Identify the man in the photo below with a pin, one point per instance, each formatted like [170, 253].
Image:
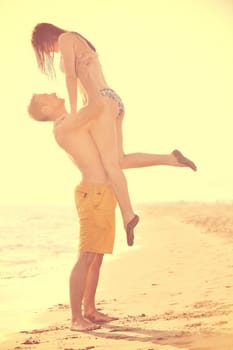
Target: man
[94, 198]
[95, 202]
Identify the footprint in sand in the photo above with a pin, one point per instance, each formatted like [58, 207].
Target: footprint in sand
[31, 341]
[59, 307]
[44, 330]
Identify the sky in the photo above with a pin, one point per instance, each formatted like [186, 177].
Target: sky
[171, 61]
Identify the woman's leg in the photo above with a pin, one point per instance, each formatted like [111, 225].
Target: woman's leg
[141, 160]
[104, 133]
[101, 121]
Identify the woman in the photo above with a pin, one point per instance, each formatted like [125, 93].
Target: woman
[80, 63]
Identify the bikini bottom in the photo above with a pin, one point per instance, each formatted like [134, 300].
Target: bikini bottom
[112, 94]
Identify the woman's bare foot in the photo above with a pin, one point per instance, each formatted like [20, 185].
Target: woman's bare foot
[99, 317]
[183, 161]
[130, 230]
[83, 325]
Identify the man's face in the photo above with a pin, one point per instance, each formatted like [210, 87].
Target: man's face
[50, 100]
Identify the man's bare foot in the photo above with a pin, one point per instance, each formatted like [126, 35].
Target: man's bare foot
[99, 317]
[83, 325]
[130, 229]
[183, 161]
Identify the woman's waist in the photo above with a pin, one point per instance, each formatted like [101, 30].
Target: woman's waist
[93, 91]
[93, 85]
[92, 81]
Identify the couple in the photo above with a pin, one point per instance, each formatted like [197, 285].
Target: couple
[93, 138]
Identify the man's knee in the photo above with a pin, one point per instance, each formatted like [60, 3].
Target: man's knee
[86, 257]
[97, 261]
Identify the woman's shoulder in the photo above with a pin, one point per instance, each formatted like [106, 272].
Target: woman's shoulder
[66, 36]
[65, 40]
[81, 46]
[71, 38]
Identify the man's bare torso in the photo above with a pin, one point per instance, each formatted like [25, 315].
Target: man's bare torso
[79, 145]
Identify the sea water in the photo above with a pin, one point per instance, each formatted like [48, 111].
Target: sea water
[38, 247]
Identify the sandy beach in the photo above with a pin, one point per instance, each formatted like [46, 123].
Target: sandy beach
[172, 290]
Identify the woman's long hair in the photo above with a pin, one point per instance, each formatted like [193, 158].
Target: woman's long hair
[43, 39]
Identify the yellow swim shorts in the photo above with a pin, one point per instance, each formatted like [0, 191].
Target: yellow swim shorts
[96, 205]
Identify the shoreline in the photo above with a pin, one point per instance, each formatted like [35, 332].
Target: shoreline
[173, 290]
[20, 299]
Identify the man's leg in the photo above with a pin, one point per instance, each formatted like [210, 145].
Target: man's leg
[78, 280]
[90, 311]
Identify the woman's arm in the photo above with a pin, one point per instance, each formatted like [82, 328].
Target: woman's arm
[66, 46]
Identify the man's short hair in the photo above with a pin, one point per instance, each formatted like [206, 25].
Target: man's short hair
[35, 110]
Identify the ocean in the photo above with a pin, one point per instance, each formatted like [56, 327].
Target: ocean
[38, 248]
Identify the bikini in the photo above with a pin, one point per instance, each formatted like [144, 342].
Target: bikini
[113, 95]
